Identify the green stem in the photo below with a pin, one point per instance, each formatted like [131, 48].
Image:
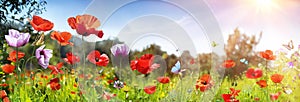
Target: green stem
[83, 51]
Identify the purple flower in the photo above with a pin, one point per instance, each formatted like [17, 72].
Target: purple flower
[43, 56]
[17, 39]
[118, 84]
[291, 64]
[120, 49]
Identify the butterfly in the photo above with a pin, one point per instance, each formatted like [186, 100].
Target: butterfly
[287, 90]
[214, 44]
[39, 40]
[243, 60]
[289, 46]
[176, 68]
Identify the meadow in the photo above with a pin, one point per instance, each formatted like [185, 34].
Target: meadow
[36, 72]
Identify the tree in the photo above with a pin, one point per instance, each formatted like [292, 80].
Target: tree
[240, 46]
[13, 13]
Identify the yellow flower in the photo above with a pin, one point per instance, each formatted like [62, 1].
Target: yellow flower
[126, 88]
[162, 95]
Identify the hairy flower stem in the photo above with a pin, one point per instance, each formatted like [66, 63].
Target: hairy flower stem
[83, 51]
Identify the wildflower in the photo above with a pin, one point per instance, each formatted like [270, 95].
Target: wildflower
[13, 56]
[120, 50]
[254, 73]
[17, 39]
[256, 99]
[204, 83]
[8, 68]
[41, 24]
[54, 84]
[268, 55]
[118, 84]
[56, 69]
[163, 80]
[96, 58]
[5, 99]
[73, 92]
[144, 64]
[274, 96]
[234, 92]
[62, 37]
[262, 83]
[4, 85]
[228, 64]
[71, 59]
[43, 56]
[229, 98]
[85, 25]
[3, 93]
[150, 89]
[277, 78]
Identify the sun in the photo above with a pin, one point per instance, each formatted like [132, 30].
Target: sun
[264, 2]
[263, 5]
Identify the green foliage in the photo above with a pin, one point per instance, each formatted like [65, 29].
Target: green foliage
[13, 13]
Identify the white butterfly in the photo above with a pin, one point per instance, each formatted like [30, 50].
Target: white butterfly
[289, 46]
[244, 61]
[176, 69]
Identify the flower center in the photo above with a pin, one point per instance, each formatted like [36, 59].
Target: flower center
[97, 59]
[42, 53]
[204, 83]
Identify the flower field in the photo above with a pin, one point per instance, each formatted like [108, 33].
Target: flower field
[47, 65]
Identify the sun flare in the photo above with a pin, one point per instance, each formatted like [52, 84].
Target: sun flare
[265, 5]
[264, 2]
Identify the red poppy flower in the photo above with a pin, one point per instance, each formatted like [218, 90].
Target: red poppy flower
[13, 56]
[234, 92]
[262, 83]
[277, 78]
[85, 25]
[229, 98]
[8, 68]
[5, 99]
[56, 69]
[150, 89]
[3, 93]
[228, 64]
[268, 55]
[4, 85]
[204, 83]
[62, 37]
[71, 59]
[256, 99]
[133, 64]
[44, 76]
[41, 24]
[54, 84]
[98, 59]
[110, 81]
[73, 92]
[163, 80]
[144, 64]
[275, 96]
[254, 73]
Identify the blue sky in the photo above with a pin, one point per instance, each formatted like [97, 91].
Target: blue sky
[58, 11]
[277, 19]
